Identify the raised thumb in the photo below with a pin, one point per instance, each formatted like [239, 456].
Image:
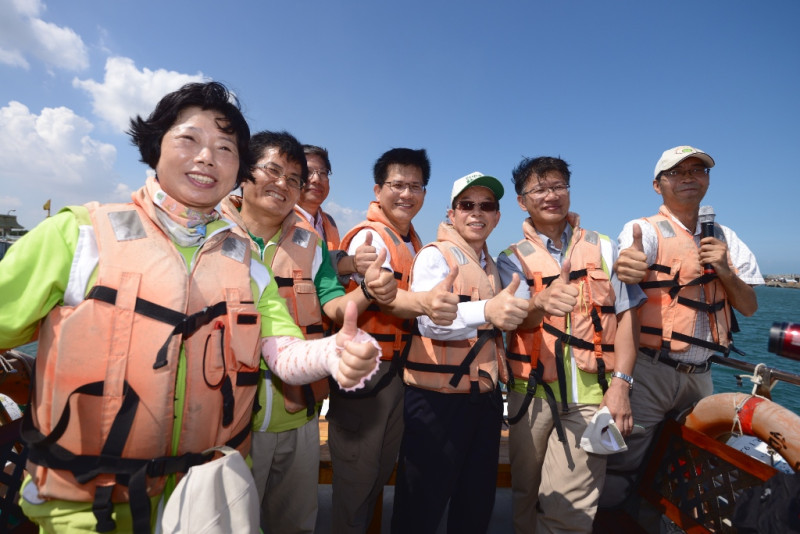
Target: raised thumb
[514, 285]
[565, 268]
[350, 325]
[378, 263]
[637, 238]
[368, 240]
[449, 280]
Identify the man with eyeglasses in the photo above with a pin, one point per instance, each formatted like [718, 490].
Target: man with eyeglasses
[285, 445]
[688, 315]
[453, 409]
[571, 358]
[365, 429]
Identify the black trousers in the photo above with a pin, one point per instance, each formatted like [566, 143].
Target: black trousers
[448, 456]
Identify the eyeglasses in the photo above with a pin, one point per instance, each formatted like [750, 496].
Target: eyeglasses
[322, 173]
[469, 205]
[697, 172]
[276, 173]
[399, 187]
[541, 192]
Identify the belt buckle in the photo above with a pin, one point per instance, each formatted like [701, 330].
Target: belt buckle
[683, 367]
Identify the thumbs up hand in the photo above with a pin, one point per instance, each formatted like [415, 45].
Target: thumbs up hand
[440, 304]
[364, 256]
[631, 265]
[379, 281]
[560, 297]
[504, 310]
[357, 359]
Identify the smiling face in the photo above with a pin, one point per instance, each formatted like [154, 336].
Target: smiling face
[475, 225]
[267, 198]
[401, 207]
[317, 188]
[544, 206]
[199, 162]
[683, 191]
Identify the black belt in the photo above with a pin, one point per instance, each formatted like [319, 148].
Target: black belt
[681, 367]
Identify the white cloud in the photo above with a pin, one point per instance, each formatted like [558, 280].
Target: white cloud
[23, 34]
[126, 91]
[345, 217]
[52, 155]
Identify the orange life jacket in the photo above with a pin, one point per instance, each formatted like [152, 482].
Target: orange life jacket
[589, 328]
[672, 285]
[329, 227]
[392, 333]
[291, 266]
[106, 368]
[470, 365]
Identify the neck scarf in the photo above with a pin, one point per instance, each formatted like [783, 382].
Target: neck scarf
[186, 226]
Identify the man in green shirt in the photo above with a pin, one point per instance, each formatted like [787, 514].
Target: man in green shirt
[285, 448]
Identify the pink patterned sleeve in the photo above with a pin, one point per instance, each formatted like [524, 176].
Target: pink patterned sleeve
[298, 361]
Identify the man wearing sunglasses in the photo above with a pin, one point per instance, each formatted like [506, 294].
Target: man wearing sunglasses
[285, 446]
[580, 328]
[693, 281]
[365, 429]
[453, 409]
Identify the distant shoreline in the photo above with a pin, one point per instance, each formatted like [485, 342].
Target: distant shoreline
[771, 282]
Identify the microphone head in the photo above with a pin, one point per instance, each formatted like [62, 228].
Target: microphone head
[705, 215]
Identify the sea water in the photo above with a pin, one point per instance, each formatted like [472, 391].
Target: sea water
[775, 305]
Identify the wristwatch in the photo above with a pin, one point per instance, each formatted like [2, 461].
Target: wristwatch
[623, 376]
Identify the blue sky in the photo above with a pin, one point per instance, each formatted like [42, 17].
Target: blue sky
[606, 85]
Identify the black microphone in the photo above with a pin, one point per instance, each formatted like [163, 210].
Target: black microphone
[706, 218]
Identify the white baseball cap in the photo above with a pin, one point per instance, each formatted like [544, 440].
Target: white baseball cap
[477, 178]
[673, 156]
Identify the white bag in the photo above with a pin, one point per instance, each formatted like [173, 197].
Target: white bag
[217, 497]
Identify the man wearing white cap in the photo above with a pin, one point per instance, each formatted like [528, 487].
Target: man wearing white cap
[572, 358]
[694, 272]
[453, 408]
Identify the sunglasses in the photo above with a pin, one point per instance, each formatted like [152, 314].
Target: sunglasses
[469, 205]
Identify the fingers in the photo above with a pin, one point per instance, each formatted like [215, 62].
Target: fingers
[637, 238]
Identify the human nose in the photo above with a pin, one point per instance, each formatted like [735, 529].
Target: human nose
[206, 156]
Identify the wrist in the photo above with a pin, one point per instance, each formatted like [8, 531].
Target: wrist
[367, 294]
[622, 377]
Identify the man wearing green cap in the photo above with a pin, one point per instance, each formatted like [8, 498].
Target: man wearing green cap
[452, 406]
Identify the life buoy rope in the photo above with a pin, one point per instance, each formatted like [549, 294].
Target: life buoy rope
[16, 370]
[770, 422]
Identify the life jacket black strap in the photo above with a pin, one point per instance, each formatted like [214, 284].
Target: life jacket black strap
[188, 326]
[702, 306]
[561, 373]
[534, 379]
[665, 345]
[574, 341]
[517, 357]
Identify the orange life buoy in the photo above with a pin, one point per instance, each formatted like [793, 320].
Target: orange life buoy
[768, 421]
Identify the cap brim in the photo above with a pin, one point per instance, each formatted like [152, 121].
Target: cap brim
[489, 182]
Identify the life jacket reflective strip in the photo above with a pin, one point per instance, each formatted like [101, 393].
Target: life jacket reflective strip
[292, 267]
[144, 302]
[589, 329]
[471, 365]
[672, 286]
[392, 333]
